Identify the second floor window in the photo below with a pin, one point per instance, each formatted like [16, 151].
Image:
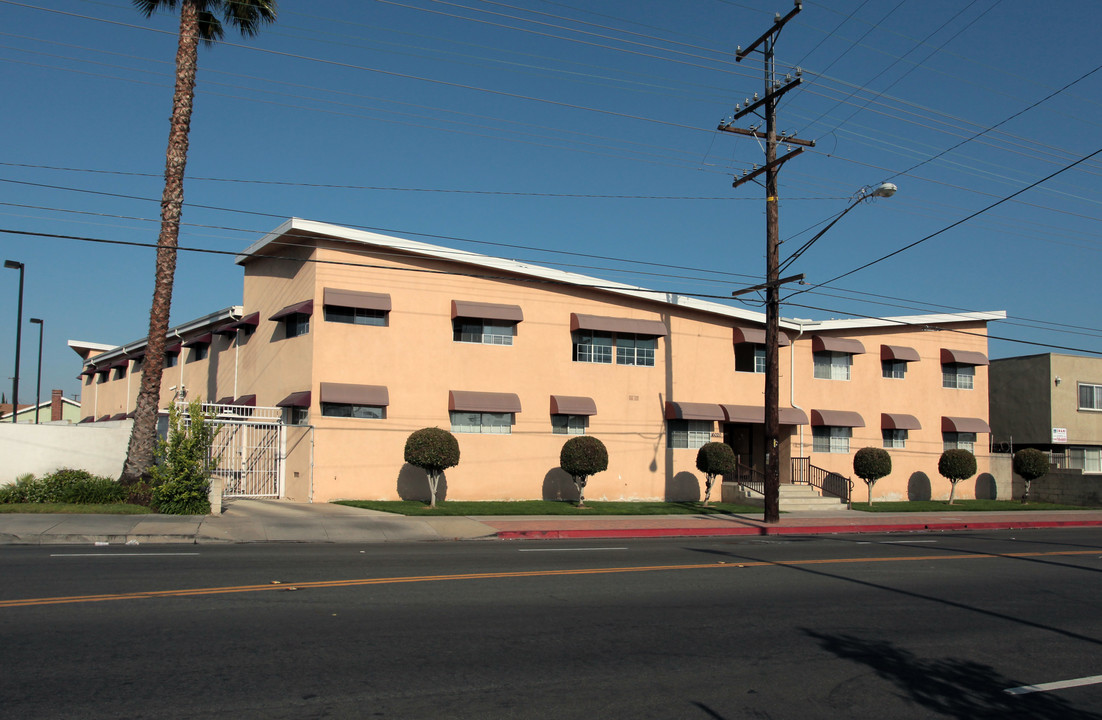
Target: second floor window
[749, 357]
[832, 365]
[486, 332]
[955, 375]
[595, 346]
[894, 369]
[1090, 397]
[296, 324]
[355, 316]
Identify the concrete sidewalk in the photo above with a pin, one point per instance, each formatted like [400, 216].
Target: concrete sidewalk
[250, 521]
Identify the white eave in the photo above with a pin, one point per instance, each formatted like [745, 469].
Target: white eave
[545, 274]
[84, 349]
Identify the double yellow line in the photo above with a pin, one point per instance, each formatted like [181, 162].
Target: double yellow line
[724, 564]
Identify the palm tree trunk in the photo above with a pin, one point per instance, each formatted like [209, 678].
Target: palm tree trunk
[139, 454]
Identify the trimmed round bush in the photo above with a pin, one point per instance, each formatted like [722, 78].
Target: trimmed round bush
[956, 465]
[581, 457]
[433, 450]
[1031, 464]
[714, 459]
[870, 464]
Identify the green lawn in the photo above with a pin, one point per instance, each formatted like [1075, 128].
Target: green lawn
[74, 509]
[551, 507]
[961, 506]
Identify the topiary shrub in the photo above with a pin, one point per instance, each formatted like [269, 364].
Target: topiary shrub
[433, 450]
[1031, 464]
[581, 457]
[180, 479]
[870, 464]
[956, 465]
[714, 459]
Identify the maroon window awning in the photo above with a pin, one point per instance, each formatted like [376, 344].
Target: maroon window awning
[899, 421]
[295, 399]
[248, 401]
[90, 370]
[306, 307]
[350, 394]
[964, 424]
[86, 419]
[600, 323]
[118, 416]
[821, 343]
[356, 299]
[228, 400]
[173, 349]
[249, 321]
[572, 405]
[837, 418]
[898, 352]
[963, 357]
[757, 336]
[466, 401]
[693, 411]
[103, 418]
[755, 414]
[486, 311]
[203, 339]
[120, 363]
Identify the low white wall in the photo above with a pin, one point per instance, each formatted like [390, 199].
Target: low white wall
[99, 448]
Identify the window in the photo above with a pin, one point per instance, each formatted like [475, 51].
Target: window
[101, 376]
[958, 376]
[298, 415]
[350, 410]
[749, 357]
[690, 434]
[120, 372]
[569, 424]
[487, 423]
[1087, 459]
[89, 378]
[895, 438]
[592, 346]
[635, 349]
[171, 358]
[486, 332]
[200, 352]
[831, 365]
[1090, 397]
[959, 441]
[355, 315]
[596, 346]
[138, 362]
[894, 369]
[830, 439]
[296, 324]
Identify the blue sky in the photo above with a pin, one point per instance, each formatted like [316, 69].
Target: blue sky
[575, 135]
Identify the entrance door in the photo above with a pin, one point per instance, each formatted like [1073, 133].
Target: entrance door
[741, 439]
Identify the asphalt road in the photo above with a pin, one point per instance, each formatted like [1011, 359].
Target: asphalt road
[902, 626]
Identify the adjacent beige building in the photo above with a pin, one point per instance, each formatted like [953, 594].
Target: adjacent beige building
[362, 338]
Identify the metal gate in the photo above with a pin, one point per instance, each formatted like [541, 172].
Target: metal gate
[248, 449]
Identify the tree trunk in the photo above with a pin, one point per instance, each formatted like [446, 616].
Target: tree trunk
[870, 492]
[952, 490]
[708, 480]
[139, 453]
[1025, 495]
[579, 482]
[434, 482]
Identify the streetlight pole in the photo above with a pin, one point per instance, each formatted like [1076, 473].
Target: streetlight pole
[13, 265]
[38, 384]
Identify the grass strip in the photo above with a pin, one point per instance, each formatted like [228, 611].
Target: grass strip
[75, 509]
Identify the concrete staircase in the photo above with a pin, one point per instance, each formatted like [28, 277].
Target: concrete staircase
[804, 498]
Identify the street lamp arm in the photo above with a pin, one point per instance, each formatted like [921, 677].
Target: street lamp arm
[884, 190]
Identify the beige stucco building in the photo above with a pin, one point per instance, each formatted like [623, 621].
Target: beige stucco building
[361, 339]
[1052, 402]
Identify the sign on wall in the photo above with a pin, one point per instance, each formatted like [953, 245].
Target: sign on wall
[1059, 435]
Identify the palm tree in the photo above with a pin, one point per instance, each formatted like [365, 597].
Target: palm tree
[199, 20]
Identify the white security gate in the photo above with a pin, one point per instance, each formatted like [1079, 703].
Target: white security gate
[248, 449]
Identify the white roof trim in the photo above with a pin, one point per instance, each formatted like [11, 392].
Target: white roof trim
[543, 273]
[233, 312]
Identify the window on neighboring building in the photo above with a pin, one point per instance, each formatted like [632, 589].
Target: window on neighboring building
[296, 324]
[959, 441]
[485, 332]
[690, 434]
[491, 423]
[569, 424]
[595, 346]
[1087, 459]
[895, 438]
[830, 438]
[958, 376]
[349, 410]
[749, 357]
[1090, 397]
[894, 369]
[831, 365]
[356, 316]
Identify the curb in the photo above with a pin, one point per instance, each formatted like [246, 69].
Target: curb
[787, 530]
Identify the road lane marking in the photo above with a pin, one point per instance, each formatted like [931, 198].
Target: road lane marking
[1058, 685]
[905, 542]
[318, 584]
[567, 549]
[118, 554]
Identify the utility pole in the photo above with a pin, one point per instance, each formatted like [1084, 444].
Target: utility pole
[767, 105]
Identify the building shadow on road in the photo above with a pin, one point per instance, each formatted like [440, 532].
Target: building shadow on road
[948, 687]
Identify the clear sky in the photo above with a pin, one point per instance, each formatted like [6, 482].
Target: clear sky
[580, 135]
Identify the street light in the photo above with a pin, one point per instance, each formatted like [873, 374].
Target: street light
[38, 385]
[13, 265]
[772, 342]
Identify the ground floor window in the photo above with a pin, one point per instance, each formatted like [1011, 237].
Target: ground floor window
[895, 438]
[493, 423]
[689, 434]
[959, 441]
[1087, 459]
[830, 439]
[569, 424]
[348, 410]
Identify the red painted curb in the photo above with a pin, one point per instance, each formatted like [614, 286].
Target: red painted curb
[784, 530]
